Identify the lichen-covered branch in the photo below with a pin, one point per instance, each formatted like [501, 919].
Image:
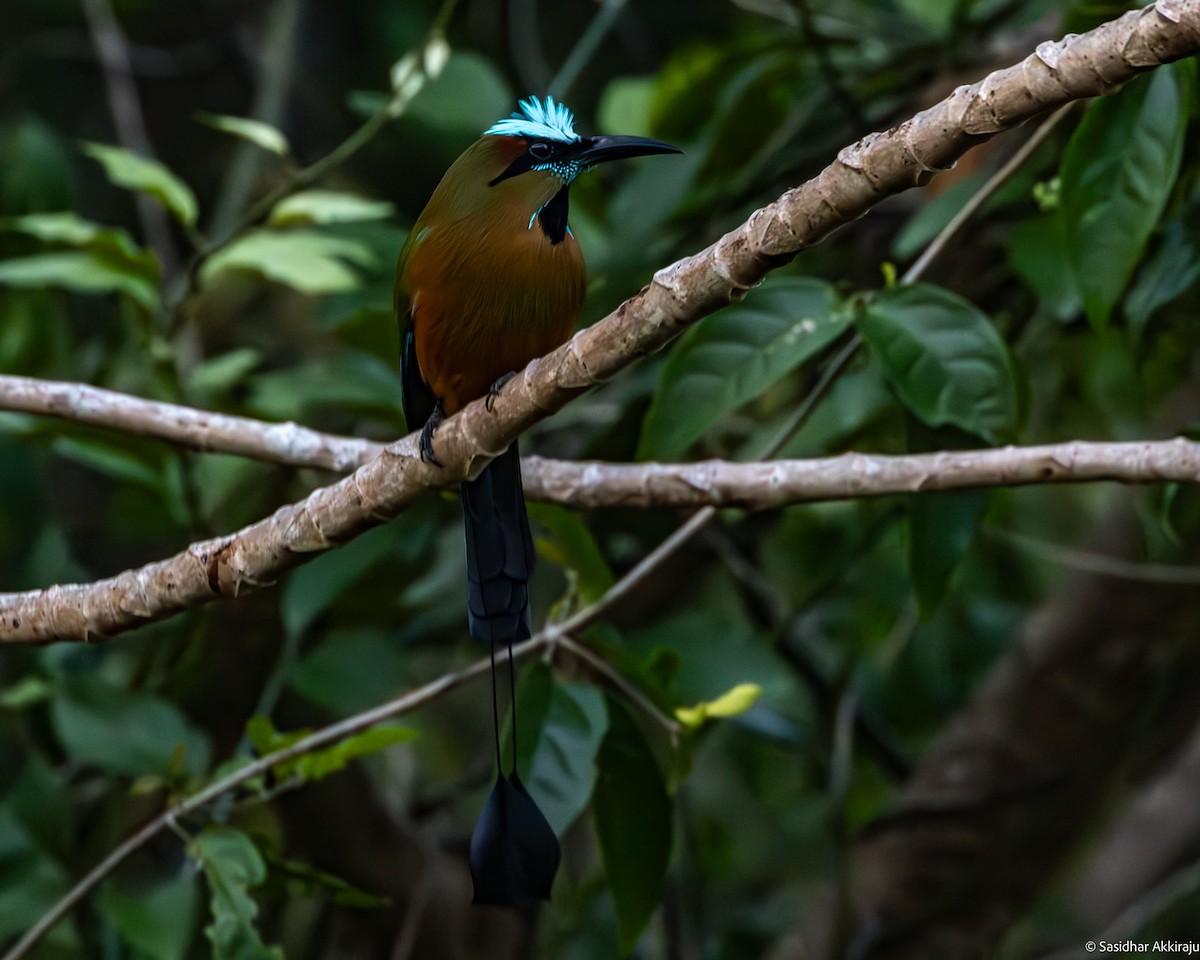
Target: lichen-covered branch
[863, 174]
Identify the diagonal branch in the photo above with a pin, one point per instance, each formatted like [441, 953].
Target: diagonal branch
[863, 174]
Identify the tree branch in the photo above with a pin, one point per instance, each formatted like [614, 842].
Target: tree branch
[720, 483]
[877, 166]
[286, 443]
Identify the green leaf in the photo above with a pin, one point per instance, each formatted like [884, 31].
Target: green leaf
[233, 866]
[313, 588]
[731, 357]
[1117, 173]
[316, 766]
[734, 701]
[305, 260]
[1037, 251]
[321, 763]
[256, 132]
[26, 692]
[627, 104]
[352, 670]
[327, 206]
[633, 824]
[942, 527]
[466, 97]
[157, 470]
[570, 545]
[157, 919]
[126, 732]
[33, 882]
[220, 374]
[78, 271]
[944, 358]
[559, 758]
[128, 170]
[1173, 268]
[302, 879]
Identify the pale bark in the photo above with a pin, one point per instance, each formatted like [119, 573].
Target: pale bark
[877, 166]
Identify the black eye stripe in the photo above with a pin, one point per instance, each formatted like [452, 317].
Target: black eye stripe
[540, 149]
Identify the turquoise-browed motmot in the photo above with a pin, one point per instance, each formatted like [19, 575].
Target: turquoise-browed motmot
[490, 278]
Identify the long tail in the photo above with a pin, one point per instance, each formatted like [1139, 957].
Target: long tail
[500, 554]
[514, 853]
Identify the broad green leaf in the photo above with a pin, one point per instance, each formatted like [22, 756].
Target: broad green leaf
[627, 105]
[36, 163]
[126, 732]
[1037, 251]
[157, 470]
[468, 96]
[108, 245]
[220, 374]
[346, 380]
[42, 800]
[158, 919]
[327, 206]
[257, 132]
[313, 588]
[352, 669]
[633, 823]
[944, 358]
[61, 227]
[1117, 173]
[233, 866]
[731, 357]
[128, 170]
[32, 883]
[305, 260]
[77, 271]
[942, 527]
[737, 700]
[1173, 268]
[562, 726]
[570, 545]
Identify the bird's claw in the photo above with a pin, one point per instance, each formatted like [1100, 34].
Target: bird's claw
[425, 444]
[489, 399]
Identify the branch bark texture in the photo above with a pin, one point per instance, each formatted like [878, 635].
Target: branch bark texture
[877, 166]
[286, 443]
[720, 483]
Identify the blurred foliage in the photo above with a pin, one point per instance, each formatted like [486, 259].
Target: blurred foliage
[1066, 310]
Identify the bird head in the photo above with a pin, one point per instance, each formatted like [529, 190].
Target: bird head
[543, 140]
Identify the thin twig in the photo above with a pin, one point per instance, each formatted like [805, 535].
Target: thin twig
[112, 52]
[585, 48]
[325, 737]
[1098, 563]
[618, 680]
[985, 193]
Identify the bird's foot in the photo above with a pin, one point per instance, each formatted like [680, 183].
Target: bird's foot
[495, 388]
[425, 445]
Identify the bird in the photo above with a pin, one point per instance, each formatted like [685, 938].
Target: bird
[491, 277]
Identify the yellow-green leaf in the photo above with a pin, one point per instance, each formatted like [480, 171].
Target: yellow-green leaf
[128, 170]
[327, 206]
[256, 132]
[729, 704]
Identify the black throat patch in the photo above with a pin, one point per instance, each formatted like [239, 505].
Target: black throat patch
[553, 217]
